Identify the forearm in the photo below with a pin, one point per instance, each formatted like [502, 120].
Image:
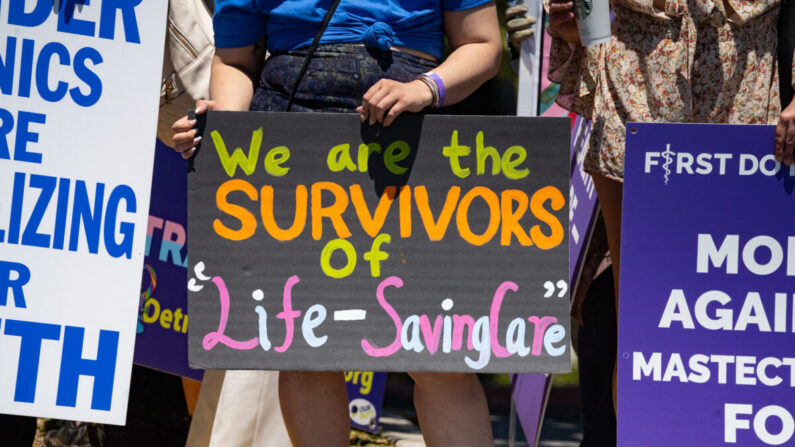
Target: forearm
[467, 68]
[230, 88]
[232, 77]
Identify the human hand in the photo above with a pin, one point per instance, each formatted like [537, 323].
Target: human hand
[561, 20]
[785, 136]
[185, 133]
[519, 26]
[387, 99]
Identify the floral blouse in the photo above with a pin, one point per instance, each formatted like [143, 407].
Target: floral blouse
[690, 64]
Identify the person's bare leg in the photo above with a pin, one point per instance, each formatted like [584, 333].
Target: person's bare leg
[191, 388]
[452, 410]
[315, 408]
[610, 194]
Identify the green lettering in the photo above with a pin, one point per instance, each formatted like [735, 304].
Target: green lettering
[509, 164]
[339, 158]
[391, 157]
[453, 151]
[376, 255]
[484, 152]
[274, 160]
[246, 162]
[325, 258]
[364, 154]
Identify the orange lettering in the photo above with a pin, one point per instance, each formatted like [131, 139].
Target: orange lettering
[511, 217]
[436, 229]
[333, 212]
[248, 223]
[269, 221]
[372, 225]
[405, 211]
[557, 200]
[462, 218]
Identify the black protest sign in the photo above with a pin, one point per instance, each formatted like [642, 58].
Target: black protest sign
[435, 244]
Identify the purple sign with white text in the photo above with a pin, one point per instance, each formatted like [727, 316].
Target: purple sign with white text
[582, 200]
[706, 326]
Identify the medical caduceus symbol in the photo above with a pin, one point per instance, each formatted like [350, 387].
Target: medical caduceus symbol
[668, 156]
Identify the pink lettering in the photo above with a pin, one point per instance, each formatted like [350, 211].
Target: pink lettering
[431, 336]
[371, 350]
[213, 338]
[154, 222]
[459, 323]
[494, 318]
[288, 315]
[541, 325]
[173, 232]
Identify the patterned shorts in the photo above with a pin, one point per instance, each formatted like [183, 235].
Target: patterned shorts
[336, 79]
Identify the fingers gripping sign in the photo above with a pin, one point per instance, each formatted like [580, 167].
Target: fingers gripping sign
[186, 135]
[387, 99]
[785, 136]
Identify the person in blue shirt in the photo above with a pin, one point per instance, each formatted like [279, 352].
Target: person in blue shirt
[378, 58]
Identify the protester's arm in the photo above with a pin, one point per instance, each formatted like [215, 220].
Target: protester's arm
[234, 72]
[231, 88]
[474, 36]
[785, 136]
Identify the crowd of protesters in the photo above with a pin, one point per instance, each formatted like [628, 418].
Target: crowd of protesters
[680, 61]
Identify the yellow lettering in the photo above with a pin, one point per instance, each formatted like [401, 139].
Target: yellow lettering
[509, 163]
[151, 303]
[166, 317]
[364, 154]
[453, 151]
[246, 162]
[325, 258]
[484, 152]
[339, 158]
[274, 160]
[396, 152]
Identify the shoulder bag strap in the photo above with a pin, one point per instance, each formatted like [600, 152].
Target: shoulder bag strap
[311, 51]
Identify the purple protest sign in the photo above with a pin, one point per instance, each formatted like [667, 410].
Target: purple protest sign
[582, 201]
[162, 340]
[530, 391]
[365, 398]
[707, 303]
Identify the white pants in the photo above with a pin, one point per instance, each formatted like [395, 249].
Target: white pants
[247, 413]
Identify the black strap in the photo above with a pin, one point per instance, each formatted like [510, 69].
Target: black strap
[786, 48]
[311, 52]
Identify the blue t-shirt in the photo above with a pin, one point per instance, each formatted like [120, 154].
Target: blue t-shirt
[292, 24]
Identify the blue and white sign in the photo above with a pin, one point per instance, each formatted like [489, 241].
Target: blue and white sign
[79, 85]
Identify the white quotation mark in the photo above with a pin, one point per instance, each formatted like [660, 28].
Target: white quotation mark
[198, 270]
[550, 288]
